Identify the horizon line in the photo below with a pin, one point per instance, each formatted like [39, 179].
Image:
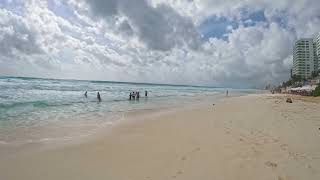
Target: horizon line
[123, 82]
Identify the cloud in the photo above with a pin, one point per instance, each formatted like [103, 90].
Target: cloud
[159, 27]
[16, 36]
[205, 42]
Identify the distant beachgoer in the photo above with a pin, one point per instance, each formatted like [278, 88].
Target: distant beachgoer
[146, 93]
[138, 95]
[98, 97]
[227, 93]
[130, 96]
[86, 94]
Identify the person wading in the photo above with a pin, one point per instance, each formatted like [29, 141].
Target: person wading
[98, 97]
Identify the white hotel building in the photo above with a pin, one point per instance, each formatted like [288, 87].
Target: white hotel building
[305, 56]
[316, 41]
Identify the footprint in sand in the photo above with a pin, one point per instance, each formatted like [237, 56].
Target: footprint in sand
[195, 150]
[275, 140]
[284, 147]
[297, 156]
[177, 173]
[183, 158]
[271, 164]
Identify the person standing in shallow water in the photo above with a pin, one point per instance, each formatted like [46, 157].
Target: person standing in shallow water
[227, 93]
[86, 94]
[146, 93]
[98, 97]
[133, 95]
[130, 96]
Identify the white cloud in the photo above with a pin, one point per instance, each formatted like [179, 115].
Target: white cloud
[154, 40]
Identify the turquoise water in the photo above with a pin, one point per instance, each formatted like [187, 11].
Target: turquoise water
[34, 108]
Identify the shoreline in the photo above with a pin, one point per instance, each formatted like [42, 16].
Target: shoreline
[104, 121]
[249, 137]
[124, 117]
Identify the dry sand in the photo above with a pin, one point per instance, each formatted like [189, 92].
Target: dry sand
[251, 137]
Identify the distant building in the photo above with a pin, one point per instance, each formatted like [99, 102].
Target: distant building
[304, 60]
[316, 41]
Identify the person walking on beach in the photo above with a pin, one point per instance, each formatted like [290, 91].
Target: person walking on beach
[138, 95]
[98, 97]
[227, 93]
[146, 93]
[85, 94]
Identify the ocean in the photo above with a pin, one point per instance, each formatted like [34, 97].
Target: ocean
[37, 110]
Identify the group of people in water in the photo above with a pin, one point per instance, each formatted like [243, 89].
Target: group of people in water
[98, 96]
[132, 95]
[136, 95]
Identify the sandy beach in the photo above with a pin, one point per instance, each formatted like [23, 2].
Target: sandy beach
[250, 137]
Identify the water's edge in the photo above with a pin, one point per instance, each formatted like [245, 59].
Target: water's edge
[43, 110]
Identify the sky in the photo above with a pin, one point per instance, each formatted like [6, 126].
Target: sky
[225, 43]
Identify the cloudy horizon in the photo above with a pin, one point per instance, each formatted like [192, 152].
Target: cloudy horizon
[230, 43]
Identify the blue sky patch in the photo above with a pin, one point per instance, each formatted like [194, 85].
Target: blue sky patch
[15, 6]
[217, 27]
[256, 16]
[61, 9]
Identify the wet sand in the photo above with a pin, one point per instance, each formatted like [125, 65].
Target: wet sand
[250, 137]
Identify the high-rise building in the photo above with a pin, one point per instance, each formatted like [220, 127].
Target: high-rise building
[316, 41]
[315, 56]
[304, 60]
